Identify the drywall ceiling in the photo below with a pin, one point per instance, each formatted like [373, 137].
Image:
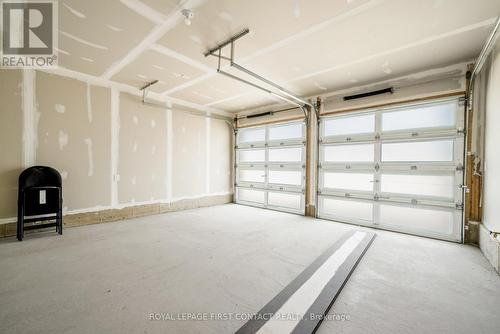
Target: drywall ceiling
[307, 46]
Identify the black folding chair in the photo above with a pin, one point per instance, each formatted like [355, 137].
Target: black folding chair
[39, 199]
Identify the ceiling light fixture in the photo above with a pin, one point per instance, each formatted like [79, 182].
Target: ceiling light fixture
[188, 14]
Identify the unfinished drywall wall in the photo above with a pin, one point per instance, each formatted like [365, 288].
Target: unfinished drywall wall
[73, 137]
[491, 190]
[113, 151]
[189, 155]
[11, 122]
[490, 247]
[220, 170]
[142, 162]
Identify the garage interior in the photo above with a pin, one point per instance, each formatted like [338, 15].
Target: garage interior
[232, 166]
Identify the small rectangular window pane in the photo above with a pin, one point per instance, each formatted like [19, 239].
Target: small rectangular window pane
[437, 221]
[426, 185]
[349, 153]
[290, 177]
[354, 181]
[291, 131]
[292, 154]
[349, 125]
[439, 150]
[252, 135]
[348, 210]
[440, 115]
[252, 175]
[250, 195]
[252, 155]
[291, 201]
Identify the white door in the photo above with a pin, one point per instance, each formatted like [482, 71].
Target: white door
[399, 169]
[270, 167]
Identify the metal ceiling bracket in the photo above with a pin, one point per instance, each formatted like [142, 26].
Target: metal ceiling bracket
[227, 42]
[145, 89]
[283, 94]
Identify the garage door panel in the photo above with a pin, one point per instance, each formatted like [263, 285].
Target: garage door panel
[425, 221]
[407, 177]
[421, 134]
[348, 181]
[422, 201]
[346, 210]
[440, 186]
[252, 156]
[285, 200]
[252, 175]
[442, 115]
[419, 167]
[347, 194]
[348, 153]
[286, 177]
[347, 167]
[342, 126]
[286, 132]
[246, 136]
[285, 188]
[251, 195]
[426, 151]
[271, 161]
[289, 154]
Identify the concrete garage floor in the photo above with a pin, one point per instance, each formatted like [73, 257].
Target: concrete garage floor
[232, 259]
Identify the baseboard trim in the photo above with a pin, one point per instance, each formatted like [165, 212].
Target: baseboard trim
[112, 215]
[490, 247]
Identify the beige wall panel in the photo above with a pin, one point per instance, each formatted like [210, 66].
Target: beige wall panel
[10, 139]
[165, 7]
[432, 55]
[152, 65]
[217, 88]
[189, 155]
[220, 156]
[246, 101]
[105, 34]
[360, 43]
[74, 138]
[491, 191]
[215, 21]
[142, 158]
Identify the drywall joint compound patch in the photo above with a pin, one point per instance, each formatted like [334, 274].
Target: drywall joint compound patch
[89, 104]
[88, 142]
[30, 118]
[60, 108]
[115, 144]
[62, 139]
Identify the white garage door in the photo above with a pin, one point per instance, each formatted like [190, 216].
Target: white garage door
[399, 169]
[270, 165]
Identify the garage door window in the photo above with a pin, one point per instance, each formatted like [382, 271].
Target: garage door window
[399, 169]
[270, 167]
